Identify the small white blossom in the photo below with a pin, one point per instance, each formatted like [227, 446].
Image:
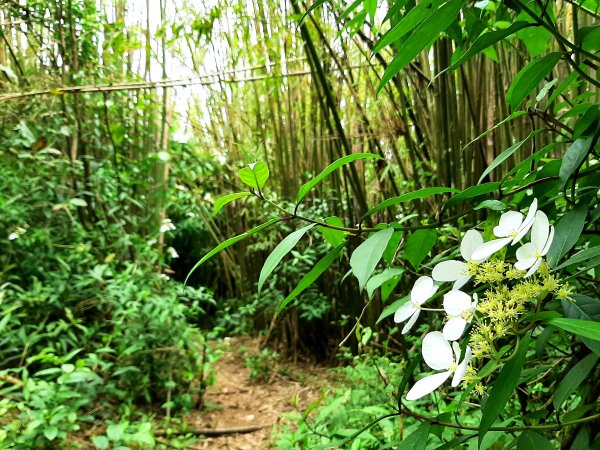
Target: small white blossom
[172, 252]
[165, 277]
[513, 226]
[422, 291]
[16, 234]
[457, 270]
[207, 197]
[388, 155]
[166, 225]
[438, 355]
[460, 310]
[530, 255]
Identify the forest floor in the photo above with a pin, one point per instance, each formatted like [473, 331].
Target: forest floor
[235, 400]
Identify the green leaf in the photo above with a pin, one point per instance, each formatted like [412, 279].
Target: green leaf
[503, 387]
[50, 432]
[410, 369]
[255, 175]
[507, 154]
[115, 432]
[494, 205]
[376, 281]
[486, 40]
[222, 201]
[417, 440]
[421, 193]
[584, 308]
[473, 191]
[333, 237]
[78, 202]
[367, 255]
[566, 233]
[454, 443]
[282, 249]
[530, 440]
[312, 7]
[585, 328]
[422, 37]
[580, 257]
[418, 245]
[9, 72]
[513, 116]
[100, 442]
[391, 308]
[408, 23]
[229, 242]
[311, 276]
[574, 157]
[306, 187]
[573, 379]
[529, 77]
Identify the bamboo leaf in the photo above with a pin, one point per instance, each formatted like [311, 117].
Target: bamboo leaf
[507, 154]
[312, 7]
[421, 193]
[529, 77]
[427, 31]
[367, 255]
[222, 201]
[503, 387]
[566, 233]
[306, 187]
[418, 245]
[312, 276]
[282, 249]
[513, 116]
[573, 379]
[486, 40]
[229, 242]
[586, 328]
[408, 23]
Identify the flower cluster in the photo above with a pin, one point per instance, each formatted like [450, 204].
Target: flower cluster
[511, 290]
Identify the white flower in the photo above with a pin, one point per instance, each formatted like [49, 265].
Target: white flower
[530, 255]
[207, 197]
[422, 291]
[438, 355]
[16, 234]
[457, 270]
[172, 252]
[165, 277]
[511, 229]
[461, 310]
[166, 225]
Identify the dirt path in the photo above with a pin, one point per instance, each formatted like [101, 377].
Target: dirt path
[245, 404]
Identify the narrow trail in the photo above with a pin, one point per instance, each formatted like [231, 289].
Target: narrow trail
[235, 402]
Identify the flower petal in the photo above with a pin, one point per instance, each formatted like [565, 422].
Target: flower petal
[489, 248]
[449, 270]
[454, 328]
[540, 231]
[427, 385]
[534, 268]
[470, 242]
[509, 223]
[411, 322]
[455, 302]
[459, 374]
[548, 242]
[527, 223]
[526, 256]
[461, 282]
[404, 312]
[436, 351]
[422, 290]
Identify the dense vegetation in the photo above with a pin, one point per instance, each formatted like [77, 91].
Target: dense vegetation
[176, 172]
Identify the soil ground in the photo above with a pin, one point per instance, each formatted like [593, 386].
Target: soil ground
[235, 401]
